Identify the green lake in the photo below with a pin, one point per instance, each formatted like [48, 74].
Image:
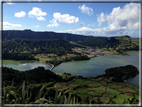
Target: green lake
[89, 68]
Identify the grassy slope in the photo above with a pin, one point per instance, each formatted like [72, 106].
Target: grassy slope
[122, 43]
[87, 89]
[108, 91]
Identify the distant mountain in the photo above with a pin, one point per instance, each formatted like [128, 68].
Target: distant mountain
[118, 43]
[28, 34]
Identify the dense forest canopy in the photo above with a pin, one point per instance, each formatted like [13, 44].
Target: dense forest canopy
[22, 45]
[118, 43]
[36, 75]
[28, 34]
[119, 74]
[26, 47]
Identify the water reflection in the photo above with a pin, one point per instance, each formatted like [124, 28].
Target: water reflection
[22, 66]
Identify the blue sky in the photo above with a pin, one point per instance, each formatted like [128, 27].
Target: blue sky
[97, 19]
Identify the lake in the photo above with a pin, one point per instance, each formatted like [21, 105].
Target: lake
[24, 65]
[89, 68]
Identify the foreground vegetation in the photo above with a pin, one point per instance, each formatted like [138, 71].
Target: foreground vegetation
[65, 88]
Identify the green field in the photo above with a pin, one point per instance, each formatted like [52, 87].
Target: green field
[87, 90]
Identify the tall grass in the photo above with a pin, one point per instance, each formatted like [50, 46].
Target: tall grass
[23, 96]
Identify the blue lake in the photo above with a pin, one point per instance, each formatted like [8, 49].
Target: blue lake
[89, 68]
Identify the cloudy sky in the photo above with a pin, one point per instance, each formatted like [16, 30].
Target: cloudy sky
[97, 19]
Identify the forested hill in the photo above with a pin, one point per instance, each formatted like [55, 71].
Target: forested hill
[28, 34]
[57, 46]
[119, 43]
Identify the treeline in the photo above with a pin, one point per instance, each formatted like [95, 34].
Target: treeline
[18, 56]
[100, 42]
[36, 75]
[59, 47]
[119, 74]
[56, 62]
[119, 43]
[80, 57]
[28, 34]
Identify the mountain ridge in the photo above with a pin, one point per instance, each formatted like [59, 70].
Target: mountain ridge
[24, 34]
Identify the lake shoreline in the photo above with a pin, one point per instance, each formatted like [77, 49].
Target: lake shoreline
[90, 73]
[93, 57]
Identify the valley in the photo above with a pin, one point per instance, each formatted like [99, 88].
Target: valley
[56, 48]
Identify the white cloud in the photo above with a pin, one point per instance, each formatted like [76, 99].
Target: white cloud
[91, 24]
[126, 17]
[110, 30]
[54, 23]
[101, 19]
[9, 25]
[121, 21]
[40, 18]
[81, 23]
[20, 14]
[86, 10]
[65, 18]
[37, 26]
[37, 12]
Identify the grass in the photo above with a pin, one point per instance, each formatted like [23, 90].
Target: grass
[120, 84]
[94, 94]
[115, 86]
[65, 76]
[127, 89]
[81, 90]
[84, 88]
[98, 79]
[83, 95]
[92, 84]
[43, 58]
[103, 82]
[136, 96]
[105, 99]
[61, 84]
[85, 82]
[100, 89]
[23, 96]
[132, 86]
[107, 80]
[121, 98]
[78, 82]
[112, 92]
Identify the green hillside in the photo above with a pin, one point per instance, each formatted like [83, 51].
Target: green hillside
[26, 49]
[28, 34]
[97, 90]
[118, 43]
[37, 46]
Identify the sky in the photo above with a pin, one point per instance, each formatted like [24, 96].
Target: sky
[95, 19]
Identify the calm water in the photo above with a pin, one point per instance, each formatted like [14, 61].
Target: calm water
[22, 66]
[98, 65]
[90, 68]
